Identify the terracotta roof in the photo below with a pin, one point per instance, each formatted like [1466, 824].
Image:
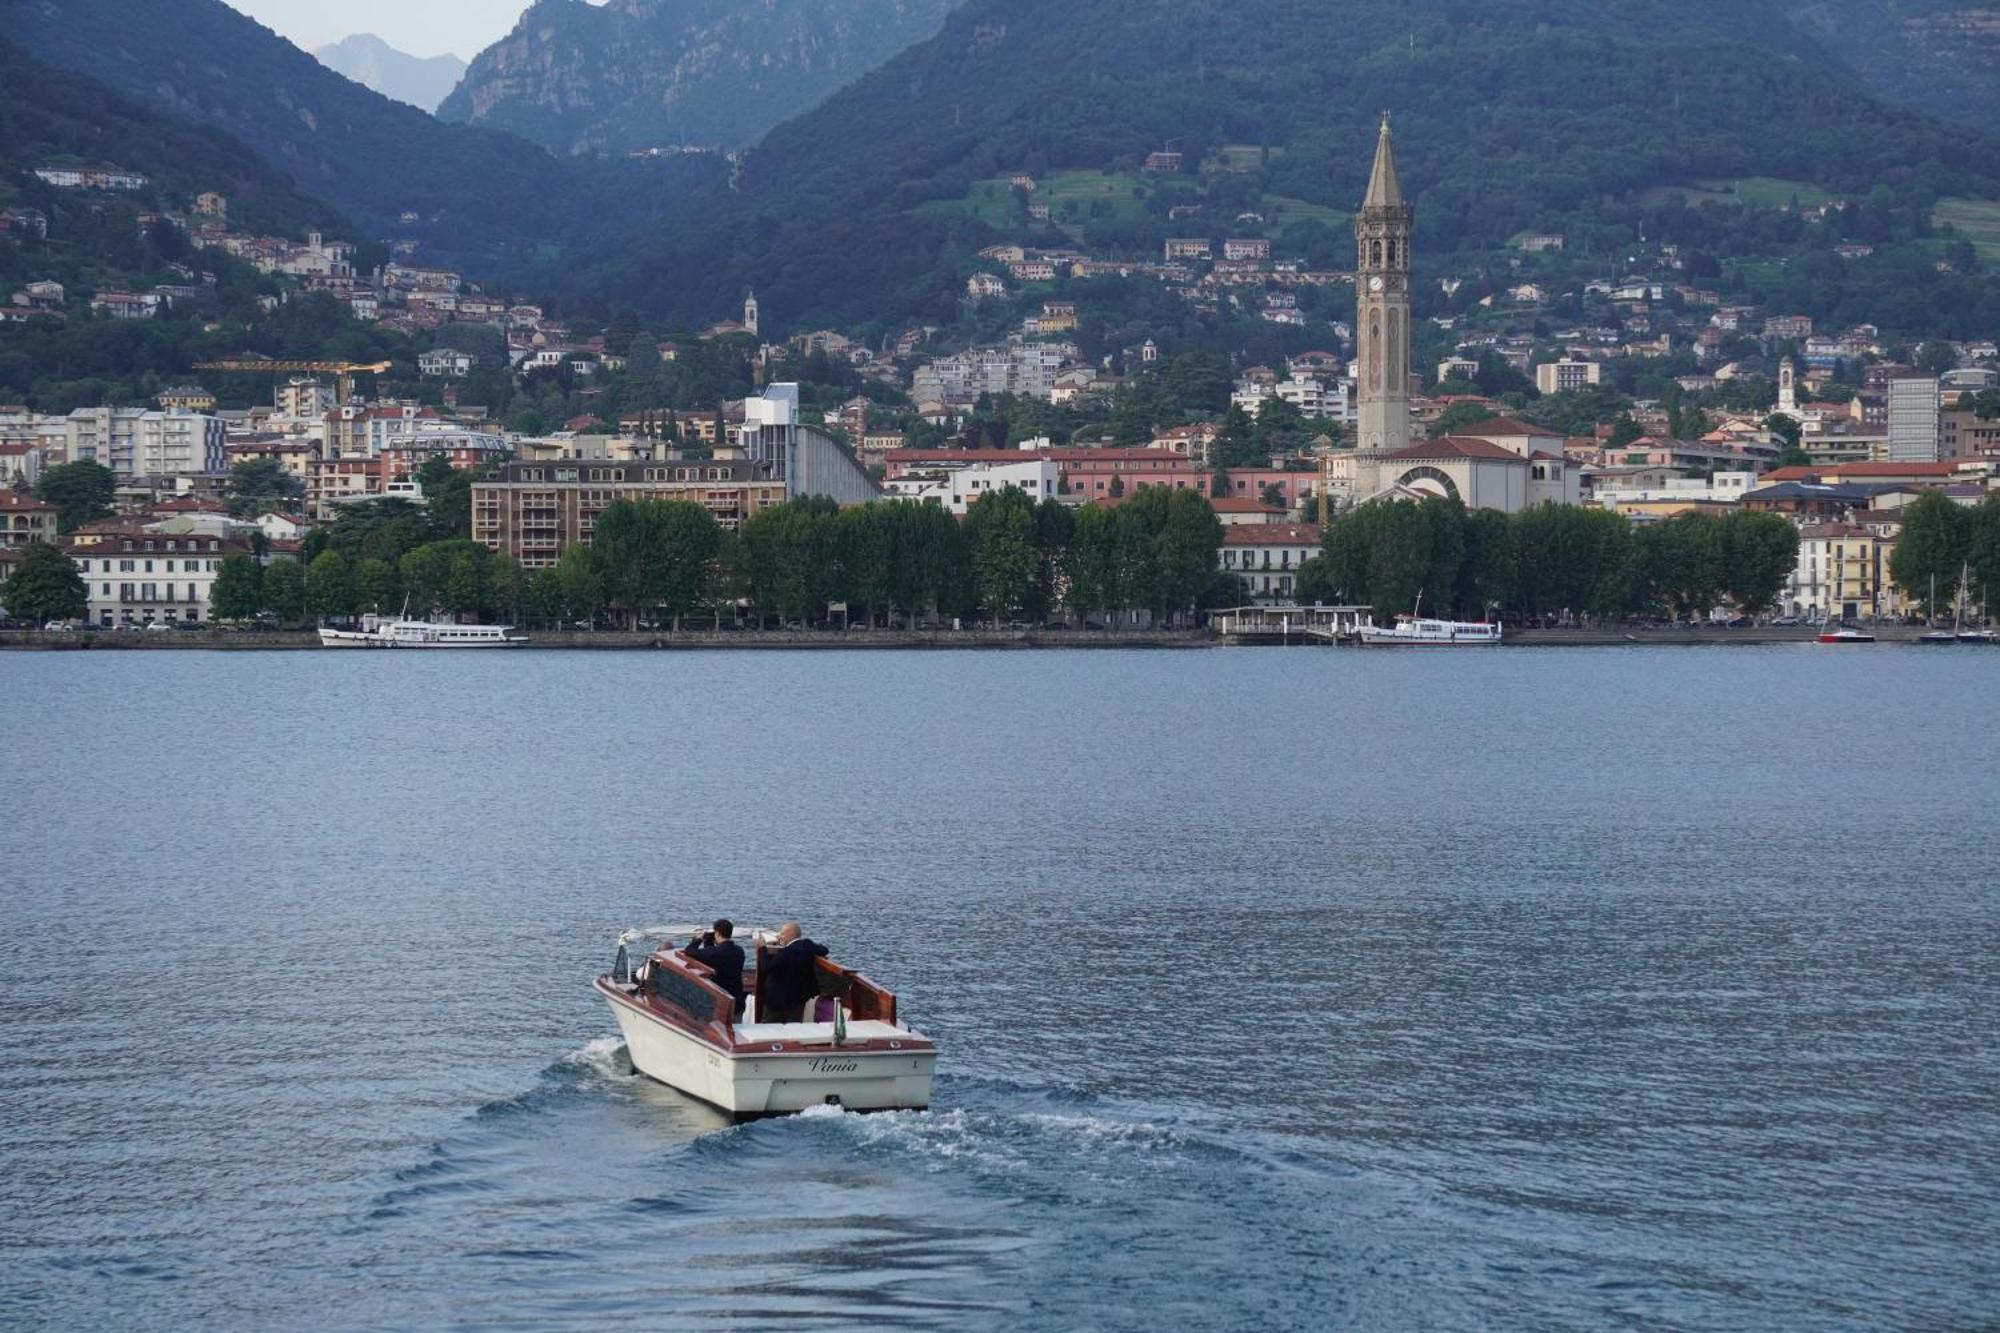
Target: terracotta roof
[1792, 474]
[1458, 446]
[1545, 456]
[17, 503]
[1237, 504]
[1271, 534]
[1508, 426]
[1893, 470]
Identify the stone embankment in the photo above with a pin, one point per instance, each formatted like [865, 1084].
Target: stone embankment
[247, 640]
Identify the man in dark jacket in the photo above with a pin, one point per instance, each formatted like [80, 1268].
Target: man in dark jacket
[723, 957]
[790, 978]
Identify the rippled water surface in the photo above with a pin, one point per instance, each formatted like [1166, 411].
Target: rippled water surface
[1520, 989]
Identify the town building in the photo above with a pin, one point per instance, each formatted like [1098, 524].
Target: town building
[531, 511]
[137, 577]
[1565, 375]
[445, 362]
[24, 519]
[1842, 573]
[1913, 420]
[803, 457]
[1267, 557]
[957, 487]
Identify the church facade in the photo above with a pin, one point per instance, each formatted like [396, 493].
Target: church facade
[1509, 467]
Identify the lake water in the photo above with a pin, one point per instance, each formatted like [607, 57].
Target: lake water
[1521, 989]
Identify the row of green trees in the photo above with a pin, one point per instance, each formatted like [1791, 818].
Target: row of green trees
[1548, 560]
[1942, 545]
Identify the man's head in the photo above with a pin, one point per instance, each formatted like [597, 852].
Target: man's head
[724, 928]
[788, 932]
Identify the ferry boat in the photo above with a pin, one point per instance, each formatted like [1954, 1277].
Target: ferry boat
[407, 633]
[680, 1029]
[1413, 628]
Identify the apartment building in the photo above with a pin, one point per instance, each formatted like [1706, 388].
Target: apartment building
[531, 511]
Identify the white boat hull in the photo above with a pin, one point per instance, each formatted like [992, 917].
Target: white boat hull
[748, 1083]
[352, 638]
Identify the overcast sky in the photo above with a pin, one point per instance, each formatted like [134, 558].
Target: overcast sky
[420, 27]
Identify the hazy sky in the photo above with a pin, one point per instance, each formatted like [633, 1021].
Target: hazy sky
[420, 27]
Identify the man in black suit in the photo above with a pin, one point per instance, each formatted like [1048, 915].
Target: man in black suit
[790, 978]
[723, 957]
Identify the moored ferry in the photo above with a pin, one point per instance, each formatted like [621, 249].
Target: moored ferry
[407, 633]
[1412, 630]
[681, 1029]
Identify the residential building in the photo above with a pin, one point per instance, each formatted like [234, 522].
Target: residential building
[1564, 375]
[1913, 420]
[1249, 247]
[1842, 574]
[1186, 247]
[956, 487]
[1267, 557]
[24, 519]
[531, 511]
[445, 361]
[136, 577]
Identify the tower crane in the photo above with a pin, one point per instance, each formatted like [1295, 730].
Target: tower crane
[345, 371]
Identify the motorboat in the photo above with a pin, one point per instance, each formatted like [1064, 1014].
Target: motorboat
[406, 633]
[1977, 636]
[681, 1029]
[1413, 628]
[1845, 634]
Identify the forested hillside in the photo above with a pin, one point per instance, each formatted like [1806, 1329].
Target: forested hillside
[1529, 115]
[634, 74]
[472, 195]
[50, 116]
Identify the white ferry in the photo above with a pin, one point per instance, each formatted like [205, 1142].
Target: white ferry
[406, 633]
[680, 1028]
[1413, 629]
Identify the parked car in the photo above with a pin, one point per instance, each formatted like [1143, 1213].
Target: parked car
[59, 626]
[1786, 620]
[158, 626]
[189, 624]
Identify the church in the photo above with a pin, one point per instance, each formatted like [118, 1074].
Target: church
[1499, 464]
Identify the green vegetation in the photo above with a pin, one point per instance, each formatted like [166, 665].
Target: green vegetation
[80, 491]
[45, 586]
[1977, 220]
[1548, 561]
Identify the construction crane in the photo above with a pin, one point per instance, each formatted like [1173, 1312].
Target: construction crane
[344, 370]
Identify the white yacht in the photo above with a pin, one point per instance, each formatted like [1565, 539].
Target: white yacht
[680, 1028]
[407, 633]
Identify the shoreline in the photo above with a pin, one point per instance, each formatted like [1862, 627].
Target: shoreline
[883, 639]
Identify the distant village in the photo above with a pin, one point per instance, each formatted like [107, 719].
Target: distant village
[1842, 467]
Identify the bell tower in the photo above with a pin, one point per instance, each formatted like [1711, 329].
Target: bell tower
[1382, 307]
[750, 312]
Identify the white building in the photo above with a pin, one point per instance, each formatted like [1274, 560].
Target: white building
[1267, 557]
[1565, 375]
[1913, 420]
[178, 444]
[152, 576]
[445, 361]
[957, 487]
[805, 458]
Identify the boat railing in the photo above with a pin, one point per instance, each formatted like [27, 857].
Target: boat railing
[864, 999]
[679, 982]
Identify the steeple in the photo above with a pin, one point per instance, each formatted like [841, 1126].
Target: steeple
[1384, 190]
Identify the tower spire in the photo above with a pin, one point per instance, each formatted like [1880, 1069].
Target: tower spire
[1384, 190]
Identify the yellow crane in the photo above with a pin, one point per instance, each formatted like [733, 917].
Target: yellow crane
[344, 370]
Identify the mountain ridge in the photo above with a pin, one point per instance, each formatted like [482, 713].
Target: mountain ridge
[637, 74]
[419, 81]
[1501, 115]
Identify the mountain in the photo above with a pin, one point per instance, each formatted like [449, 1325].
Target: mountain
[49, 117]
[1536, 114]
[634, 74]
[421, 81]
[479, 197]
[1941, 56]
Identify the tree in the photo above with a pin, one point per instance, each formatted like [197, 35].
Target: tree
[238, 590]
[447, 498]
[1983, 552]
[543, 604]
[1000, 529]
[1055, 529]
[376, 586]
[80, 491]
[1759, 552]
[1096, 567]
[656, 554]
[1935, 544]
[464, 584]
[284, 590]
[330, 585]
[45, 586]
[261, 485]
[1936, 357]
[582, 585]
[1682, 560]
